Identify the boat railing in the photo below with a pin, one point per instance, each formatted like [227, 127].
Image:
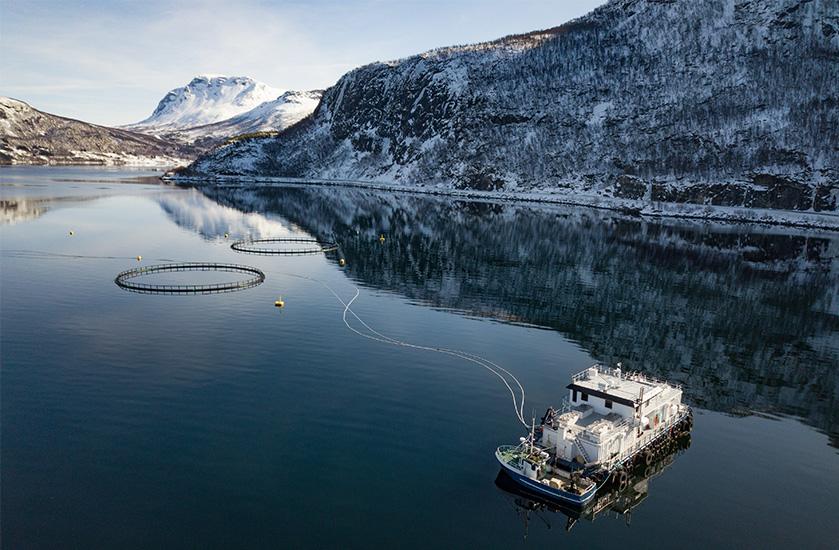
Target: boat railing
[649, 378]
[624, 374]
[511, 454]
[564, 406]
[625, 422]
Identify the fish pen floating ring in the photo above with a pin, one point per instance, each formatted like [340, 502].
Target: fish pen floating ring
[252, 246]
[127, 279]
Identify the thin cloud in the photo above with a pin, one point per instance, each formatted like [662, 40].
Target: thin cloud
[111, 62]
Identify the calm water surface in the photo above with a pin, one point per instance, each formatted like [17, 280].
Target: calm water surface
[135, 420]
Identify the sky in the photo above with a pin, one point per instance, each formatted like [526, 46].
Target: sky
[111, 61]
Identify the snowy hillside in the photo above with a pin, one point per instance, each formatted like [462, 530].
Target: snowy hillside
[205, 100]
[30, 136]
[729, 103]
[212, 108]
[270, 116]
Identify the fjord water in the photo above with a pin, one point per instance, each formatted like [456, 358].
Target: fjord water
[135, 420]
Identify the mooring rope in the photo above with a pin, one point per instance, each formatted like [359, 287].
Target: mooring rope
[41, 254]
[518, 403]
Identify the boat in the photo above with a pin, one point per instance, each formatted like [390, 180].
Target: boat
[614, 503]
[610, 421]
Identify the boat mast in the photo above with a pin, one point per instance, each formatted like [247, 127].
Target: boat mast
[532, 433]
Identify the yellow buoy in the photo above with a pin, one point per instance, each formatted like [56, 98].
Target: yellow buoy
[279, 303]
[139, 258]
[341, 262]
[381, 238]
[71, 233]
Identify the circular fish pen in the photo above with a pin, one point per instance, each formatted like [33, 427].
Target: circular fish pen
[128, 280]
[290, 246]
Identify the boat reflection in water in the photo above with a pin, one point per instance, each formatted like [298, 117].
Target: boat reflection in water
[611, 501]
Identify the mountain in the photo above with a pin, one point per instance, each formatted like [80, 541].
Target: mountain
[205, 100]
[30, 136]
[212, 108]
[271, 116]
[641, 103]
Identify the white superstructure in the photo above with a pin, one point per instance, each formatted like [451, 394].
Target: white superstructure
[610, 416]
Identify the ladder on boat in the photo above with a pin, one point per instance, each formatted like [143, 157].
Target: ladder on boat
[582, 449]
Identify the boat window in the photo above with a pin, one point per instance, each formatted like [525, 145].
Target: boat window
[585, 396]
[608, 404]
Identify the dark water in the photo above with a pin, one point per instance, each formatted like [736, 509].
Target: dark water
[135, 420]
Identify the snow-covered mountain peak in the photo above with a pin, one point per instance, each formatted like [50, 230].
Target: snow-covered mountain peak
[209, 76]
[207, 99]
[270, 116]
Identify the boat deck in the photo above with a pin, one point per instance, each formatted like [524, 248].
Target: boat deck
[593, 416]
[625, 388]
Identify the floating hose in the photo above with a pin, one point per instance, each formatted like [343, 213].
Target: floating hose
[494, 368]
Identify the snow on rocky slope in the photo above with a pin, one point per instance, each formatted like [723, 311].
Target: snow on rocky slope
[205, 100]
[212, 107]
[720, 103]
[271, 116]
[30, 136]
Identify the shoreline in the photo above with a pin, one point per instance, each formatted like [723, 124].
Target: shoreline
[711, 213]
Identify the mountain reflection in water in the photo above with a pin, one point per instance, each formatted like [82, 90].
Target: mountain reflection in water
[746, 318]
[211, 220]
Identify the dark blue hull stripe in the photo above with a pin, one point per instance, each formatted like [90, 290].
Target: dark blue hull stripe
[547, 490]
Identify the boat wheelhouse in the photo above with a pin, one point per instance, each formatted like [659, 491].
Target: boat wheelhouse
[610, 419]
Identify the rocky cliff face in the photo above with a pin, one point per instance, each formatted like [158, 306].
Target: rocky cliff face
[29, 136]
[720, 102]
